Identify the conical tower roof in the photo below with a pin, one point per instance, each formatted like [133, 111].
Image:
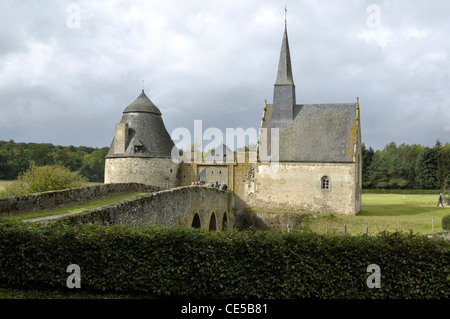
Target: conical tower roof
[147, 134]
[142, 104]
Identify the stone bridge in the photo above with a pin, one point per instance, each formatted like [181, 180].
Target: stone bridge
[191, 206]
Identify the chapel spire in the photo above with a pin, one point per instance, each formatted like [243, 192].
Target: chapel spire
[284, 75]
[284, 88]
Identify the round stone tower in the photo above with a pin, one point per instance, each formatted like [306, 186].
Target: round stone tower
[141, 149]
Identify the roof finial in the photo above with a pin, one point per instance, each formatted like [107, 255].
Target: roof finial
[285, 16]
[143, 86]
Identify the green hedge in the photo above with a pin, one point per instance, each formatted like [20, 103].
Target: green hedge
[198, 264]
[446, 222]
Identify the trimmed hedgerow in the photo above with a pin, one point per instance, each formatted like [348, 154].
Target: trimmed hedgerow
[446, 222]
[249, 264]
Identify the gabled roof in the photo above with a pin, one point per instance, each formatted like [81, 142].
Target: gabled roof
[318, 132]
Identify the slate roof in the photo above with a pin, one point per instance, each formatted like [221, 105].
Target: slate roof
[142, 104]
[147, 134]
[284, 74]
[318, 132]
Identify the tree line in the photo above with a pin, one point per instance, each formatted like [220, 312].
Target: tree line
[394, 167]
[16, 158]
[406, 167]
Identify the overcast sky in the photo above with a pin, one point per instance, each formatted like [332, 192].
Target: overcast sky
[68, 69]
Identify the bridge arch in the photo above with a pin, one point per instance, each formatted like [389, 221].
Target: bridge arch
[212, 222]
[224, 221]
[196, 223]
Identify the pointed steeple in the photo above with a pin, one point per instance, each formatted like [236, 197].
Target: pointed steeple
[284, 88]
[284, 75]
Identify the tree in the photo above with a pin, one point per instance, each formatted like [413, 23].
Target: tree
[16, 157]
[426, 169]
[367, 159]
[45, 178]
[443, 170]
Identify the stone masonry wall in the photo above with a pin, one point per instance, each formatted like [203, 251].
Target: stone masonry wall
[174, 207]
[161, 172]
[44, 201]
[297, 186]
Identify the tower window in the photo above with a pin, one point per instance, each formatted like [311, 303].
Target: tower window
[325, 182]
[138, 147]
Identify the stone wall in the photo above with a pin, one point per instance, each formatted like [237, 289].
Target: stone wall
[262, 220]
[161, 172]
[174, 207]
[237, 175]
[297, 187]
[49, 200]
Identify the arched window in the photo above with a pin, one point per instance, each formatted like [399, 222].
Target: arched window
[196, 222]
[212, 222]
[325, 182]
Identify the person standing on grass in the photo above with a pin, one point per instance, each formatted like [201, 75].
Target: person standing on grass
[440, 200]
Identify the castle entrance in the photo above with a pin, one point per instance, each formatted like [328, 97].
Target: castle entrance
[210, 174]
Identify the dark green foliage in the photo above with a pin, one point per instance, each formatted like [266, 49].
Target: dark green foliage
[446, 222]
[249, 264]
[43, 179]
[406, 167]
[16, 158]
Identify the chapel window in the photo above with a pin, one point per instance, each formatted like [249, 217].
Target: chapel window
[325, 182]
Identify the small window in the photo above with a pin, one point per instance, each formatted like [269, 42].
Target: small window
[325, 182]
[138, 147]
[166, 183]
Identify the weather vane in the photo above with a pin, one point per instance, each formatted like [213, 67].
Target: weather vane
[285, 15]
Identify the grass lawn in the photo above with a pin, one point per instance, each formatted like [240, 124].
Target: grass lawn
[385, 212]
[76, 208]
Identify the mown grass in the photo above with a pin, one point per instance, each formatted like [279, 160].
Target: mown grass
[77, 208]
[385, 212]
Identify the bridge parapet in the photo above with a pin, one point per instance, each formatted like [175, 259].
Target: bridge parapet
[190, 206]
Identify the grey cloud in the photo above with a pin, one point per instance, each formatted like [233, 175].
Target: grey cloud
[217, 61]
